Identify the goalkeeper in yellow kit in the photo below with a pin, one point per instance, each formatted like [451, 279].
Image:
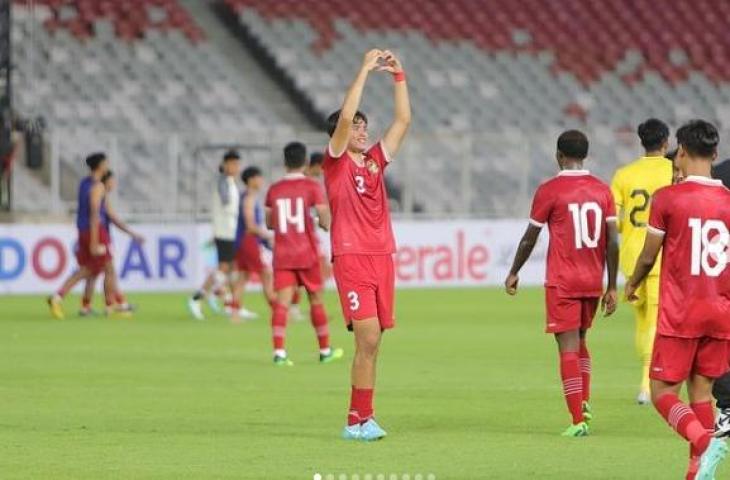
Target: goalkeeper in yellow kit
[632, 187]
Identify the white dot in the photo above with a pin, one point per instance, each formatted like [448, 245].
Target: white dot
[368, 476]
[343, 476]
[355, 476]
[317, 476]
[393, 476]
[418, 476]
[431, 476]
[406, 476]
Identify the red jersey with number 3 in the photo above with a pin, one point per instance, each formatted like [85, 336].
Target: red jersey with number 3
[359, 203]
[575, 206]
[694, 292]
[291, 201]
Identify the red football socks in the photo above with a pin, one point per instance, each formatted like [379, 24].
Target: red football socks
[278, 325]
[572, 385]
[684, 421]
[585, 369]
[319, 322]
[361, 405]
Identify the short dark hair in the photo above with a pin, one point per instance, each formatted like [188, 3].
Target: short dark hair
[573, 144]
[94, 160]
[335, 117]
[231, 155]
[249, 173]
[653, 133]
[295, 155]
[699, 138]
[316, 158]
[671, 155]
[109, 174]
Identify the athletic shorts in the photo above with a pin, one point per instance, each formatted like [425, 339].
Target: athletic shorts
[309, 278]
[248, 256]
[366, 285]
[566, 314]
[94, 263]
[226, 250]
[675, 359]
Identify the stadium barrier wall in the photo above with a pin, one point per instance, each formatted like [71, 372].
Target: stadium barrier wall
[458, 253]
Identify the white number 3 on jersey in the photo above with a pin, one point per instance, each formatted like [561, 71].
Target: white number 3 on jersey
[360, 183]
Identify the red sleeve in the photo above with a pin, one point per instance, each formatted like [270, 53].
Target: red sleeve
[610, 206]
[378, 153]
[542, 205]
[329, 159]
[658, 213]
[269, 202]
[317, 194]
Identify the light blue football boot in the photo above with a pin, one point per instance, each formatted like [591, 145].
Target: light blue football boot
[713, 456]
[371, 431]
[352, 432]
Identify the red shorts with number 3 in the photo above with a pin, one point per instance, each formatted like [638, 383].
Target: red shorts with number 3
[675, 359]
[366, 285]
[309, 278]
[566, 314]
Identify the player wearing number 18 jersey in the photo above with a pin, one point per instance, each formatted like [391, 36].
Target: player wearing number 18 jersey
[690, 221]
[289, 206]
[580, 214]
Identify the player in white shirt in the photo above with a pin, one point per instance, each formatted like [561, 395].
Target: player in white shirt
[225, 203]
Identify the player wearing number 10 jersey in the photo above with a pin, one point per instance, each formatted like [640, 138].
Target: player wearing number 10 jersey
[632, 187]
[690, 221]
[289, 205]
[580, 214]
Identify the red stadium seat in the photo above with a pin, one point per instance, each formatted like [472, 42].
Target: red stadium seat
[575, 30]
[130, 18]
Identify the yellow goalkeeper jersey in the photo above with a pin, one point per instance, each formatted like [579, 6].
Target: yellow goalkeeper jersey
[632, 187]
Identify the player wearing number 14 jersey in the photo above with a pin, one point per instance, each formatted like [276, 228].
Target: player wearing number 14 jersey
[690, 221]
[580, 214]
[290, 203]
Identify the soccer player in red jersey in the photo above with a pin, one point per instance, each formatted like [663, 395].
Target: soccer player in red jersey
[289, 203]
[689, 221]
[362, 235]
[579, 211]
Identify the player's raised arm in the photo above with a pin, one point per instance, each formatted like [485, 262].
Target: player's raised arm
[610, 298]
[341, 135]
[402, 119]
[524, 250]
[96, 196]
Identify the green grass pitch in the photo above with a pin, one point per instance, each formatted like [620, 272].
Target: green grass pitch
[468, 389]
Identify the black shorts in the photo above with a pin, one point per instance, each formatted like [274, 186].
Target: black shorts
[226, 250]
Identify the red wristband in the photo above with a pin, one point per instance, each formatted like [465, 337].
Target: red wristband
[399, 76]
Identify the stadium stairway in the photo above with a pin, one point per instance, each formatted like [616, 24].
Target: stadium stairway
[241, 58]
